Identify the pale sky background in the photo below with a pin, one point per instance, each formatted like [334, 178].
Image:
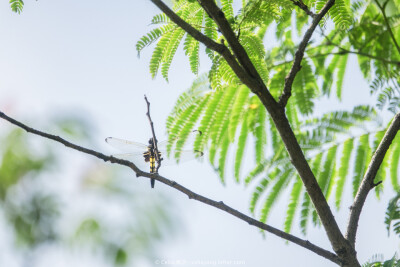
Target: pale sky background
[80, 57]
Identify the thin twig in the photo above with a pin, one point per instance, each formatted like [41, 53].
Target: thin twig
[382, 8]
[192, 195]
[155, 141]
[344, 51]
[341, 53]
[287, 90]
[367, 183]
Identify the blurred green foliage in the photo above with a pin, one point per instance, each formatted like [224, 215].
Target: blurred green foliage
[108, 216]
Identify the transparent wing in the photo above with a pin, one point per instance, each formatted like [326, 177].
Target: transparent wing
[184, 141]
[162, 145]
[127, 146]
[137, 159]
[184, 156]
[188, 140]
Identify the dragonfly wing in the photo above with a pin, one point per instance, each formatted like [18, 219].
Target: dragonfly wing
[188, 140]
[137, 159]
[162, 145]
[183, 140]
[184, 156]
[125, 145]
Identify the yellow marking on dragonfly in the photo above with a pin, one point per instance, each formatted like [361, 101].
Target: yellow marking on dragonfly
[141, 153]
[152, 164]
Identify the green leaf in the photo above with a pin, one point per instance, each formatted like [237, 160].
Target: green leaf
[260, 134]
[17, 5]
[394, 163]
[241, 145]
[238, 111]
[341, 69]
[210, 30]
[281, 180]
[153, 36]
[158, 53]
[343, 170]
[305, 89]
[186, 123]
[259, 190]
[361, 161]
[227, 8]
[220, 128]
[222, 158]
[210, 111]
[169, 52]
[341, 14]
[306, 208]
[293, 204]
[392, 215]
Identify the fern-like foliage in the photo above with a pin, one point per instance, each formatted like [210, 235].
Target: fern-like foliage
[17, 6]
[392, 217]
[218, 114]
[230, 115]
[231, 118]
[253, 15]
[371, 36]
[168, 37]
[340, 13]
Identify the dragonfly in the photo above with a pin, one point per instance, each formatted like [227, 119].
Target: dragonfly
[144, 156]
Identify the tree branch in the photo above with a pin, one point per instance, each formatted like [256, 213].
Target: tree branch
[211, 44]
[344, 50]
[192, 195]
[367, 183]
[240, 53]
[155, 141]
[287, 90]
[382, 8]
[303, 6]
[341, 53]
[252, 79]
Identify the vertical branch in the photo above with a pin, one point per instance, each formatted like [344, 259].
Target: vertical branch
[287, 90]
[382, 8]
[367, 183]
[157, 154]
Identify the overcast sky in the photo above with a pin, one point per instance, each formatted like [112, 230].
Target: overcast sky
[79, 57]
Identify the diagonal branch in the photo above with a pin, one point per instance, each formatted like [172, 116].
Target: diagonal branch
[382, 8]
[367, 183]
[287, 90]
[192, 195]
[211, 44]
[303, 6]
[238, 50]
